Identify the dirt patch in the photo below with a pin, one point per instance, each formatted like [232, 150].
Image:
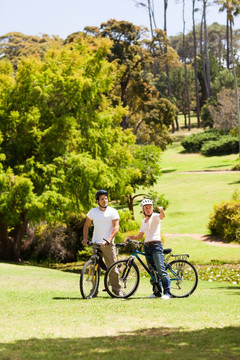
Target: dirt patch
[209, 239]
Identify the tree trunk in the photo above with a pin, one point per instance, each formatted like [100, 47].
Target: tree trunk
[195, 68]
[5, 243]
[202, 59]
[185, 69]
[177, 123]
[227, 36]
[165, 47]
[235, 85]
[206, 49]
[10, 242]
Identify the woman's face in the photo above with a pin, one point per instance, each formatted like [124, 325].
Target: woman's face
[148, 209]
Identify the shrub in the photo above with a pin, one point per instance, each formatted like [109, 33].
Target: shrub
[126, 224]
[194, 142]
[206, 117]
[236, 167]
[225, 221]
[55, 243]
[225, 145]
[52, 244]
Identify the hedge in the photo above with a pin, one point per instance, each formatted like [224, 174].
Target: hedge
[225, 145]
[193, 143]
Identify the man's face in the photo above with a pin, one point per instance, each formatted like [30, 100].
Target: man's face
[103, 200]
[148, 209]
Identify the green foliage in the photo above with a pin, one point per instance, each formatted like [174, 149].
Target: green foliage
[193, 143]
[60, 135]
[205, 114]
[146, 159]
[225, 145]
[178, 82]
[236, 167]
[126, 222]
[225, 221]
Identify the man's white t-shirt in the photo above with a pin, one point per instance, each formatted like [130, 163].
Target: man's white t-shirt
[102, 221]
[152, 228]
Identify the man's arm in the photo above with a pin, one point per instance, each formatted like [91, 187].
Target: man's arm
[115, 229]
[85, 231]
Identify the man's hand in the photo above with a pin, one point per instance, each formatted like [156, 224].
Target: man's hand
[104, 243]
[84, 242]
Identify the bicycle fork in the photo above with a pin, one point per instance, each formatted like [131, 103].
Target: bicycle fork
[126, 271]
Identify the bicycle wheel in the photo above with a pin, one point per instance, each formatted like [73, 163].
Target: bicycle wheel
[89, 279]
[184, 278]
[129, 278]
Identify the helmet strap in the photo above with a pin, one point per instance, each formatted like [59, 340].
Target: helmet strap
[147, 215]
[104, 207]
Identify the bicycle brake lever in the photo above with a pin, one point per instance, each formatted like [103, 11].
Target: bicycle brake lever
[108, 242]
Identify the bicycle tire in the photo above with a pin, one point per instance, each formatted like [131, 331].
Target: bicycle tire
[189, 278]
[89, 279]
[129, 278]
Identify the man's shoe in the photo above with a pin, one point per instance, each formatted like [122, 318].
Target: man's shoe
[166, 296]
[153, 296]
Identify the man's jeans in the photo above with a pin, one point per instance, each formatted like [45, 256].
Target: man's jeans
[155, 250]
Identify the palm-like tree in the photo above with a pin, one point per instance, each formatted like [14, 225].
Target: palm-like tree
[232, 8]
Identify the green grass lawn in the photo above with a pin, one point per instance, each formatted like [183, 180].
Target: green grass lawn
[43, 317]
[192, 196]
[175, 159]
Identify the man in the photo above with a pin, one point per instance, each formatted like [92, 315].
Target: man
[106, 225]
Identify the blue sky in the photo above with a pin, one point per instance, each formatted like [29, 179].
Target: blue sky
[63, 17]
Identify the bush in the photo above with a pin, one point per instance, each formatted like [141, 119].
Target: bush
[236, 167]
[225, 145]
[55, 244]
[194, 142]
[225, 221]
[206, 117]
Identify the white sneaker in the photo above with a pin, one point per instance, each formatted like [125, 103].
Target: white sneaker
[166, 296]
[153, 296]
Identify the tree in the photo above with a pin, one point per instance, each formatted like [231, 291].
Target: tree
[185, 70]
[232, 8]
[224, 111]
[195, 66]
[14, 46]
[135, 56]
[60, 138]
[146, 160]
[179, 89]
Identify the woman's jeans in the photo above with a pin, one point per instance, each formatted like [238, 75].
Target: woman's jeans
[155, 250]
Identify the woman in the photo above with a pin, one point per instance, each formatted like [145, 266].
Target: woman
[151, 226]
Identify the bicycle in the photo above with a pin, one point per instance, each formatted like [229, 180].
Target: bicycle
[90, 273]
[182, 274]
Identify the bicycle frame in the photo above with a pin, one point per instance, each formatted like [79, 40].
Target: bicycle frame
[135, 254]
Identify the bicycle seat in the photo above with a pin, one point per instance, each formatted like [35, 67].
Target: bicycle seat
[167, 251]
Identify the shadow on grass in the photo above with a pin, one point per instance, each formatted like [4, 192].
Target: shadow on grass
[156, 343]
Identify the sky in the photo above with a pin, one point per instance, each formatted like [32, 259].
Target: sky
[64, 17]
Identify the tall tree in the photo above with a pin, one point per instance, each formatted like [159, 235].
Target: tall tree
[206, 48]
[185, 68]
[195, 65]
[58, 127]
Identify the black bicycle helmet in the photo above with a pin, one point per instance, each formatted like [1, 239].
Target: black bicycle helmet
[100, 192]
